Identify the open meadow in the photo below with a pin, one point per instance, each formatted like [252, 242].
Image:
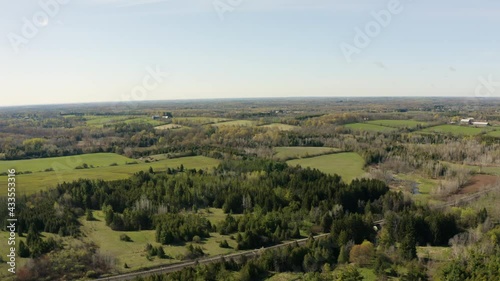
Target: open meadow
[397, 123]
[31, 183]
[457, 130]
[133, 252]
[347, 165]
[369, 127]
[236, 123]
[287, 153]
[65, 163]
[281, 127]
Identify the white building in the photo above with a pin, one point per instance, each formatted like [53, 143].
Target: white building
[467, 121]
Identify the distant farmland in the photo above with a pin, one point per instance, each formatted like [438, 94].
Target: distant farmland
[64, 163]
[397, 123]
[236, 123]
[282, 127]
[285, 153]
[369, 127]
[456, 130]
[347, 165]
[31, 183]
[495, 134]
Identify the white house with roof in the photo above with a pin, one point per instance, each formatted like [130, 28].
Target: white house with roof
[467, 121]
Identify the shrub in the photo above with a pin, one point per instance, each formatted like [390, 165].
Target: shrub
[91, 274]
[193, 252]
[362, 254]
[161, 253]
[197, 239]
[125, 237]
[224, 244]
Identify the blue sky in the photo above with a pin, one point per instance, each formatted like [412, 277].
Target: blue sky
[100, 50]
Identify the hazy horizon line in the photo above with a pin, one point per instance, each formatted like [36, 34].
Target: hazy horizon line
[243, 98]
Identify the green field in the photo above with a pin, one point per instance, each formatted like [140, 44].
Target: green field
[100, 121]
[397, 123]
[281, 127]
[369, 127]
[425, 186]
[133, 253]
[191, 121]
[31, 183]
[495, 134]
[456, 130]
[146, 120]
[348, 165]
[477, 169]
[65, 163]
[286, 153]
[236, 123]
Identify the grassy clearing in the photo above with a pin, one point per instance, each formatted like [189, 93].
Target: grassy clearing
[495, 134]
[31, 183]
[369, 127]
[134, 254]
[66, 163]
[477, 169]
[425, 187]
[281, 127]
[434, 253]
[146, 120]
[100, 121]
[397, 123]
[20, 262]
[198, 120]
[286, 276]
[456, 130]
[4, 251]
[236, 123]
[285, 153]
[169, 127]
[348, 165]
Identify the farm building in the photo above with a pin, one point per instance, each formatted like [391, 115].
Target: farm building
[480, 124]
[468, 121]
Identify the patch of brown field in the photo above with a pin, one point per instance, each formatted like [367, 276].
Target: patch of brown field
[478, 183]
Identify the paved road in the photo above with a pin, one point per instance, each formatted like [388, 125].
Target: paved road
[179, 266]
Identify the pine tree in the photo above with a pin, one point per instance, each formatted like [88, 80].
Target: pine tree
[161, 253]
[343, 255]
[23, 250]
[408, 245]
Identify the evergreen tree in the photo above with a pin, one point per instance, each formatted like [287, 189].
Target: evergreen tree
[23, 250]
